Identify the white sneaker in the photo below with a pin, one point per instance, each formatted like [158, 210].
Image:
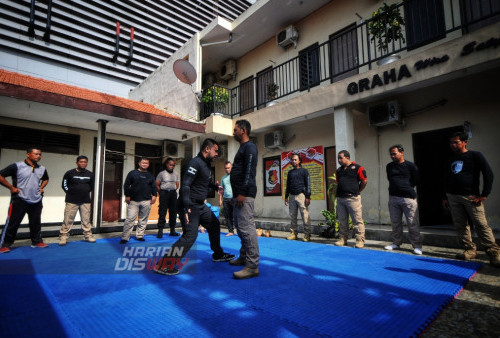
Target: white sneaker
[417, 251]
[391, 247]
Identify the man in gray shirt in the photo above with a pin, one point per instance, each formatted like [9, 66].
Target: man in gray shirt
[28, 181]
[167, 183]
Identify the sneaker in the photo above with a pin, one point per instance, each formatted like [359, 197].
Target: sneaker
[223, 257]
[292, 237]
[174, 233]
[39, 245]
[123, 241]
[140, 239]
[4, 249]
[89, 239]
[63, 241]
[359, 245]
[417, 251]
[391, 247]
[237, 262]
[467, 255]
[166, 271]
[246, 273]
[341, 242]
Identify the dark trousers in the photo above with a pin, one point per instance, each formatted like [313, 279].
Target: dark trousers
[168, 199]
[200, 214]
[227, 203]
[19, 208]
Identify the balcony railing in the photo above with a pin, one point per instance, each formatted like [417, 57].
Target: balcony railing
[352, 50]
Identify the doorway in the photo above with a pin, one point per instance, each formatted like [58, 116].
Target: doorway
[113, 179]
[431, 150]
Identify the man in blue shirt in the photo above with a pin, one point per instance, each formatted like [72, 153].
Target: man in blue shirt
[226, 198]
[28, 181]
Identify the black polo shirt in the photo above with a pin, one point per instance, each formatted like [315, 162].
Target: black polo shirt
[348, 179]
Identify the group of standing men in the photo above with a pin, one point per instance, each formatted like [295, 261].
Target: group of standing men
[461, 196]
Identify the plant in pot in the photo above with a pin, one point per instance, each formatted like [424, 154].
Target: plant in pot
[272, 90]
[331, 222]
[215, 99]
[386, 26]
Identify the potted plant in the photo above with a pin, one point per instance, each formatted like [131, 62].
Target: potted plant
[215, 99]
[386, 26]
[331, 222]
[272, 90]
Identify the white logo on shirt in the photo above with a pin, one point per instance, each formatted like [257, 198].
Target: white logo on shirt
[192, 170]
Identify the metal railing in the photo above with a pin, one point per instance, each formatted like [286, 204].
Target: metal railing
[352, 49]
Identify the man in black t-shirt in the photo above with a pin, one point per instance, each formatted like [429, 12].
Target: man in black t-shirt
[403, 177]
[77, 184]
[351, 180]
[298, 190]
[140, 194]
[464, 200]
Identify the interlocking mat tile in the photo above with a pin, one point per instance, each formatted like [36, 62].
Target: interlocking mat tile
[304, 290]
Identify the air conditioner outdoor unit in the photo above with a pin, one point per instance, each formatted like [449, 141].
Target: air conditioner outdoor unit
[288, 36]
[173, 149]
[228, 70]
[384, 113]
[273, 140]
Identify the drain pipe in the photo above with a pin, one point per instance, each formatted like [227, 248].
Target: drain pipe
[217, 42]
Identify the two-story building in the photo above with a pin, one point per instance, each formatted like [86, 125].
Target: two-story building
[320, 76]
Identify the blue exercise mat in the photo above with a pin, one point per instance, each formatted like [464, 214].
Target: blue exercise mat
[304, 290]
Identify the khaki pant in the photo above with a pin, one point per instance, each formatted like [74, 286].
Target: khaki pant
[297, 203]
[350, 206]
[409, 207]
[133, 209]
[70, 211]
[461, 208]
[244, 223]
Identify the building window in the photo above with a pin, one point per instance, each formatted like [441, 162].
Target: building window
[479, 13]
[424, 22]
[20, 138]
[309, 67]
[246, 96]
[264, 78]
[343, 47]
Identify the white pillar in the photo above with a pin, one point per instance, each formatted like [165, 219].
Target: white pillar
[196, 145]
[99, 174]
[344, 131]
[232, 148]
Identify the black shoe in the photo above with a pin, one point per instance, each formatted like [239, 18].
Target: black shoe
[166, 271]
[173, 233]
[223, 257]
[160, 233]
[123, 241]
[140, 239]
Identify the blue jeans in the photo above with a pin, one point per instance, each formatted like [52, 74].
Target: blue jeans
[227, 203]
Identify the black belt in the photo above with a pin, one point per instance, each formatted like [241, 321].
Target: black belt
[168, 190]
[198, 201]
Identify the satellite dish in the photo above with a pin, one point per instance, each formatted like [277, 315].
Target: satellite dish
[184, 71]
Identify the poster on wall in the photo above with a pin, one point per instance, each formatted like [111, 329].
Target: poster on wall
[313, 159]
[272, 176]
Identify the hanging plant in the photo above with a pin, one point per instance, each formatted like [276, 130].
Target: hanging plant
[272, 90]
[386, 25]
